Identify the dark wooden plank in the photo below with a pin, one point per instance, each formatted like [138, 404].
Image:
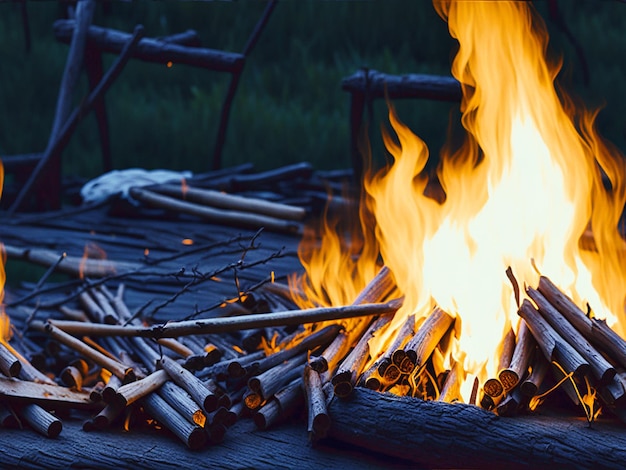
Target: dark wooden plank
[374, 84]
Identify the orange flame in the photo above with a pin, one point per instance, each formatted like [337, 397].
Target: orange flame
[520, 193]
[91, 251]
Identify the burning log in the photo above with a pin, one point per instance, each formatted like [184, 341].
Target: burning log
[506, 445]
[600, 367]
[345, 378]
[372, 378]
[40, 420]
[538, 371]
[222, 325]
[72, 377]
[423, 343]
[98, 312]
[376, 290]
[230, 217]
[318, 422]
[451, 390]
[596, 331]
[332, 354]
[380, 85]
[310, 342]
[493, 387]
[553, 346]
[232, 202]
[524, 349]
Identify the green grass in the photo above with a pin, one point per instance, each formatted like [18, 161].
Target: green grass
[289, 106]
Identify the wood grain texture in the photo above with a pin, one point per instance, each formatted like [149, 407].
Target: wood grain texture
[443, 435]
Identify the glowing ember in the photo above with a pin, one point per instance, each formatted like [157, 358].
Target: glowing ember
[520, 193]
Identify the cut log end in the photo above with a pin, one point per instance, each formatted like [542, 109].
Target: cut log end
[197, 438]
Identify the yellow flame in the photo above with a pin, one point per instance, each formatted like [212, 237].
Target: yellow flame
[521, 192]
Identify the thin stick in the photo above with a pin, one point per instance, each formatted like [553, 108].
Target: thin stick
[373, 376]
[272, 380]
[310, 342]
[492, 386]
[133, 391]
[601, 368]
[221, 200]
[115, 367]
[539, 370]
[318, 418]
[522, 354]
[73, 265]
[346, 376]
[331, 355]
[192, 384]
[451, 390]
[596, 331]
[283, 403]
[237, 218]
[553, 346]
[229, 324]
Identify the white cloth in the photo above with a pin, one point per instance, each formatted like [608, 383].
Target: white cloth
[120, 182]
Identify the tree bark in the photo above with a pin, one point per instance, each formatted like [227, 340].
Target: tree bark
[443, 435]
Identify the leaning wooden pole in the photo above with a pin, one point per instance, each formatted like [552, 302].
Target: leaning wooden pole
[443, 435]
[76, 116]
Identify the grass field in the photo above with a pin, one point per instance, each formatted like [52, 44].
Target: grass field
[289, 106]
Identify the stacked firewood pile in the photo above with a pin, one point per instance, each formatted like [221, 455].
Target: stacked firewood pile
[257, 356]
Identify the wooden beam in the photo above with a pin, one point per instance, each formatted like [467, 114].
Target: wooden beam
[443, 435]
[153, 50]
[376, 84]
[23, 391]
